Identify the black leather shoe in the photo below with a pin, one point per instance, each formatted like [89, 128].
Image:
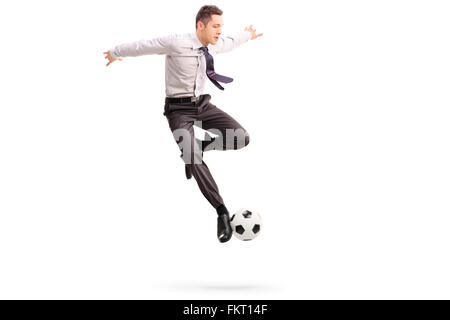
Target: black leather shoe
[187, 169]
[224, 230]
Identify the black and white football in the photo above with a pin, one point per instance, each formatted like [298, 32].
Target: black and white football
[246, 224]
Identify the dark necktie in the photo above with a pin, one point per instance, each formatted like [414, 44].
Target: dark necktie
[212, 75]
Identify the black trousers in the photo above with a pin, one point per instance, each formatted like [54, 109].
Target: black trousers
[230, 135]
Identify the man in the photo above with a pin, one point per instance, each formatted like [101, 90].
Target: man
[189, 64]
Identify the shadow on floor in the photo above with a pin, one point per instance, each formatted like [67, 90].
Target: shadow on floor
[221, 287]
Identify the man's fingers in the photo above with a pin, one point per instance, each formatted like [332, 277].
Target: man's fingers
[259, 35]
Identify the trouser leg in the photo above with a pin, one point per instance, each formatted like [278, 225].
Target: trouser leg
[231, 135]
[191, 153]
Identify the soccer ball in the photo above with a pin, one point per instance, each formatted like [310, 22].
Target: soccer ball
[246, 224]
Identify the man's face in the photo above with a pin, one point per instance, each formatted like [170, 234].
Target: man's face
[213, 29]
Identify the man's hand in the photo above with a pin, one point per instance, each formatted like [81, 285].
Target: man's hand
[253, 31]
[111, 59]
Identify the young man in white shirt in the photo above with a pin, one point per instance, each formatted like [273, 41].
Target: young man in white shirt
[189, 65]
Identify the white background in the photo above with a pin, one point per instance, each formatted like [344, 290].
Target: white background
[347, 106]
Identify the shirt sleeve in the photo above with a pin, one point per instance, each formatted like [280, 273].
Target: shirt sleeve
[228, 43]
[160, 45]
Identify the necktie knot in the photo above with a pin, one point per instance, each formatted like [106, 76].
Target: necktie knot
[204, 49]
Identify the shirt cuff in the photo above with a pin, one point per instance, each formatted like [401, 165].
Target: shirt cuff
[112, 54]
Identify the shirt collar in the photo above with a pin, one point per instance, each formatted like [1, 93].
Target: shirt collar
[195, 41]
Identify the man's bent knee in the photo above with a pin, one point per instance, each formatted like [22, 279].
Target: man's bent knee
[238, 141]
[247, 139]
[236, 138]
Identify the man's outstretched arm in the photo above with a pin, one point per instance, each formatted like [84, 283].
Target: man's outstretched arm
[161, 45]
[228, 43]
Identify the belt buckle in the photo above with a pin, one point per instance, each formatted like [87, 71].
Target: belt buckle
[194, 99]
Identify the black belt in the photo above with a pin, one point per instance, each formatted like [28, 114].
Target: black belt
[182, 100]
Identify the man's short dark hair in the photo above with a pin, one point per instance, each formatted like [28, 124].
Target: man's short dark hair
[204, 14]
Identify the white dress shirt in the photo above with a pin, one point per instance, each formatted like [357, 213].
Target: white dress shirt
[185, 62]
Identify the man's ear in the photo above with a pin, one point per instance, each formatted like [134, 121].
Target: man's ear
[200, 25]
